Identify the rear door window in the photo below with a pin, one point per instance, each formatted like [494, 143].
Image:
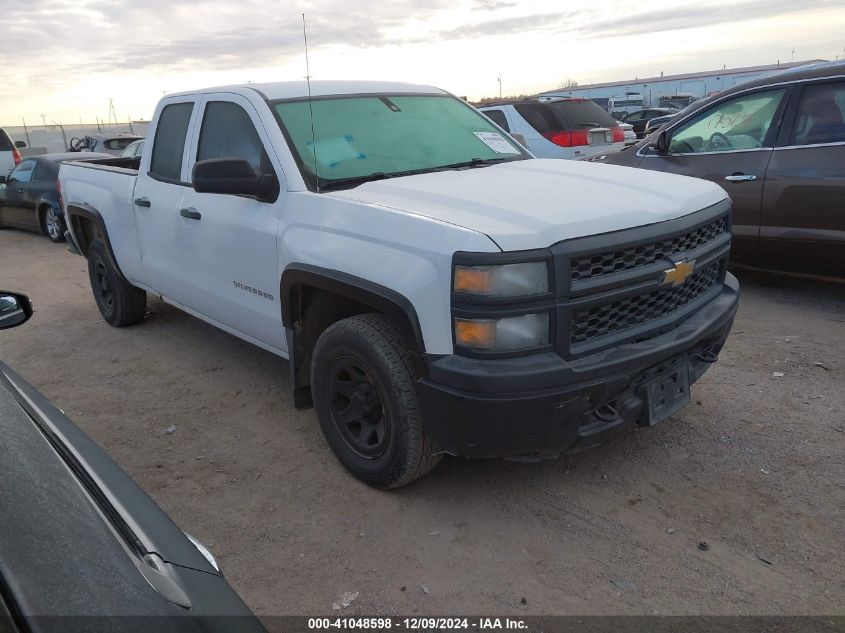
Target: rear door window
[821, 115]
[23, 172]
[169, 143]
[6, 144]
[228, 132]
[498, 117]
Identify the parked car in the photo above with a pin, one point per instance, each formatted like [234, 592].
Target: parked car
[678, 101]
[641, 118]
[564, 128]
[133, 149]
[630, 137]
[80, 538]
[30, 198]
[620, 105]
[777, 146]
[435, 288]
[112, 144]
[658, 122]
[9, 154]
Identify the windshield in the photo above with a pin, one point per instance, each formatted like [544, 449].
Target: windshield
[378, 136]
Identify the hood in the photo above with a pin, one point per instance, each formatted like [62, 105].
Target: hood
[536, 203]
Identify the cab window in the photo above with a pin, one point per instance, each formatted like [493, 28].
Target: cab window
[821, 115]
[228, 132]
[169, 143]
[736, 124]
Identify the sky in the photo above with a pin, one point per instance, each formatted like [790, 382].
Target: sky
[66, 58]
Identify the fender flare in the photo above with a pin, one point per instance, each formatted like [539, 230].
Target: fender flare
[82, 210]
[380, 298]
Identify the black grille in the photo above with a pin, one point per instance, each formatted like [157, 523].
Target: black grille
[613, 261]
[625, 313]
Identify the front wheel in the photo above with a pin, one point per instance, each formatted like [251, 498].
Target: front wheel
[363, 388]
[120, 302]
[53, 224]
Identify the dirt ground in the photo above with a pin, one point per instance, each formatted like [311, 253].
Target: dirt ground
[754, 467]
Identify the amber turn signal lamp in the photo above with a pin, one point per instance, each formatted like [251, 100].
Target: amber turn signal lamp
[475, 280]
[475, 333]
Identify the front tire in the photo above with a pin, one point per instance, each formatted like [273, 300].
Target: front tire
[53, 224]
[362, 384]
[120, 302]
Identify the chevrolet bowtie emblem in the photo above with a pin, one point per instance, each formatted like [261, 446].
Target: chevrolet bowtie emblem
[678, 274]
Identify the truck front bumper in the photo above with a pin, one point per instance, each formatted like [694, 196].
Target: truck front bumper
[533, 406]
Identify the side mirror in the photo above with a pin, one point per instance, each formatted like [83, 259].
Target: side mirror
[15, 309]
[20, 144]
[520, 138]
[233, 176]
[2, 180]
[660, 143]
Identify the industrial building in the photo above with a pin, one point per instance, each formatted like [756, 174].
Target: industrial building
[650, 92]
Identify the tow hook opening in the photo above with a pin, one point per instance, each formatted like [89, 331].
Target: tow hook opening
[606, 412]
[708, 356]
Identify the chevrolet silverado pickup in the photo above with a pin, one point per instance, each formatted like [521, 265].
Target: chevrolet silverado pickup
[435, 288]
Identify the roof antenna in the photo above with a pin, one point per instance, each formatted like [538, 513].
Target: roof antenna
[310, 107]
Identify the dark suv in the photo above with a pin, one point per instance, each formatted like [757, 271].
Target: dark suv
[777, 146]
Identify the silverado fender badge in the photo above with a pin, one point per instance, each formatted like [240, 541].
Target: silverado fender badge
[678, 274]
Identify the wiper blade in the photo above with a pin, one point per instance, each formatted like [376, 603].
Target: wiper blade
[473, 162]
[331, 183]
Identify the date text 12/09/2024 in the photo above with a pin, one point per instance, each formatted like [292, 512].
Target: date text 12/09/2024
[418, 624]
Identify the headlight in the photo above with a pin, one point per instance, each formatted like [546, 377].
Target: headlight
[505, 334]
[503, 280]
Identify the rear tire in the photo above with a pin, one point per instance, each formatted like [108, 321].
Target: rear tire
[52, 224]
[363, 387]
[120, 302]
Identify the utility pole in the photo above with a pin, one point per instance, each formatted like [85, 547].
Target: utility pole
[26, 131]
[64, 136]
[500, 85]
[44, 120]
[112, 112]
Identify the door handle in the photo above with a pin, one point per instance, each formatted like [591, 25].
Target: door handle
[741, 177]
[20, 189]
[142, 202]
[190, 213]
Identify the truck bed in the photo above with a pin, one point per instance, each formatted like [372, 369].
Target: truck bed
[106, 187]
[129, 164]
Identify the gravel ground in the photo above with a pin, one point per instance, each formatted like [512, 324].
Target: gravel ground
[754, 467]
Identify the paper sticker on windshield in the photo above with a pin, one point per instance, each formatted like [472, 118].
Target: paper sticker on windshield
[333, 151]
[496, 142]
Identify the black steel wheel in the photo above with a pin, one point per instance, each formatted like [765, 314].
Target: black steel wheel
[363, 388]
[358, 406]
[119, 302]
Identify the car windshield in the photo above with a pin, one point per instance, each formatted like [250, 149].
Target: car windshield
[360, 138]
[119, 143]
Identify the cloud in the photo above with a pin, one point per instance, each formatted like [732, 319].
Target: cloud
[680, 17]
[62, 46]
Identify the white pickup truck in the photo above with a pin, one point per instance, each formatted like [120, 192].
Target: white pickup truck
[435, 287]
